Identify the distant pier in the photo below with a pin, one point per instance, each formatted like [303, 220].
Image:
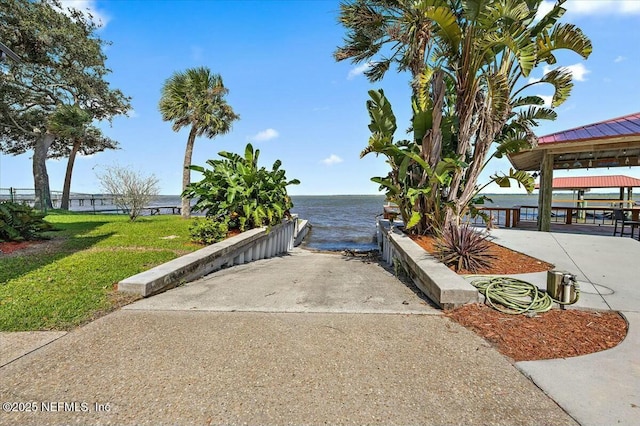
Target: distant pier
[28, 196]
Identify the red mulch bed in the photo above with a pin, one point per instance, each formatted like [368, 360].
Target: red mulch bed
[554, 334]
[8, 247]
[506, 262]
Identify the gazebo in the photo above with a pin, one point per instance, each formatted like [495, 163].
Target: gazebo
[585, 183]
[610, 143]
[582, 184]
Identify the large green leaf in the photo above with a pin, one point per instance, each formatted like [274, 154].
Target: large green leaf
[444, 17]
[498, 94]
[527, 100]
[414, 220]
[550, 19]
[505, 12]
[386, 183]
[562, 36]
[422, 122]
[382, 118]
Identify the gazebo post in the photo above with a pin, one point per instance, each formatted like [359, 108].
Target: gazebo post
[545, 194]
[581, 204]
[621, 197]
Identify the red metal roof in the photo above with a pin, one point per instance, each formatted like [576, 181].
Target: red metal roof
[587, 182]
[629, 125]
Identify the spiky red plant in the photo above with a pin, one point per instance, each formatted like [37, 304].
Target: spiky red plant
[464, 248]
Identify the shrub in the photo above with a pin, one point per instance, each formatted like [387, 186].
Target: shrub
[131, 191]
[208, 231]
[464, 248]
[20, 222]
[239, 193]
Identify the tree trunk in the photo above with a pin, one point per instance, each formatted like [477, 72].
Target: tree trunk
[64, 203]
[438, 89]
[40, 175]
[186, 172]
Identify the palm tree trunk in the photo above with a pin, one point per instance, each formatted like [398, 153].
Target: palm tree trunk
[64, 203]
[40, 175]
[186, 172]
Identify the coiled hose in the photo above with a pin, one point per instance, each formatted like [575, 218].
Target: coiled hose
[514, 296]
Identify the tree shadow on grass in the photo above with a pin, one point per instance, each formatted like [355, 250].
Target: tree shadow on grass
[57, 245]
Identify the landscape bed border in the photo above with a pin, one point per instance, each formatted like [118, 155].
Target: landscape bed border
[444, 287]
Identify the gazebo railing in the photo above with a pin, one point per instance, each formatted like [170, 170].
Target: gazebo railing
[580, 215]
[510, 217]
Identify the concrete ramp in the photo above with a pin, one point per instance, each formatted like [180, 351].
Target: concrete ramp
[302, 281]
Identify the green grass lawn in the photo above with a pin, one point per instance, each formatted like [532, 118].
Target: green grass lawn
[71, 279]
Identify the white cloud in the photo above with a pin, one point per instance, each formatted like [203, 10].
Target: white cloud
[265, 135]
[579, 71]
[547, 100]
[359, 70]
[99, 17]
[603, 7]
[619, 59]
[331, 160]
[544, 8]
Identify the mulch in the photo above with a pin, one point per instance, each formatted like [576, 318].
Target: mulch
[8, 247]
[554, 334]
[506, 261]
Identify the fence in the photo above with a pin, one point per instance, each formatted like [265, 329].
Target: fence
[510, 217]
[32, 198]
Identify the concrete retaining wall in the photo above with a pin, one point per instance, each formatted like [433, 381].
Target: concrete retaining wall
[302, 229]
[440, 284]
[251, 245]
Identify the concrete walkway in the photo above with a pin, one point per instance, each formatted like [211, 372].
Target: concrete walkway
[601, 388]
[330, 340]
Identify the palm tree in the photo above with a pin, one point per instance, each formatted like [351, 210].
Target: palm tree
[195, 98]
[468, 60]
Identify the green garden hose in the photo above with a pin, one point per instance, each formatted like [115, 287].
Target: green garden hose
[514, 296]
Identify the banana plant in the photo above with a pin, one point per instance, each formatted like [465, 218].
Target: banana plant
[235, 190]
[413, 184]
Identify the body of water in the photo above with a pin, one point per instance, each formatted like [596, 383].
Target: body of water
[340, 222]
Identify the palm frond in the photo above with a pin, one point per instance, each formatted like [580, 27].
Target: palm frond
[562, 36]
[561, 79]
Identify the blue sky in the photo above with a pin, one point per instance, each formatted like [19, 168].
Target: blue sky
[296, 103]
